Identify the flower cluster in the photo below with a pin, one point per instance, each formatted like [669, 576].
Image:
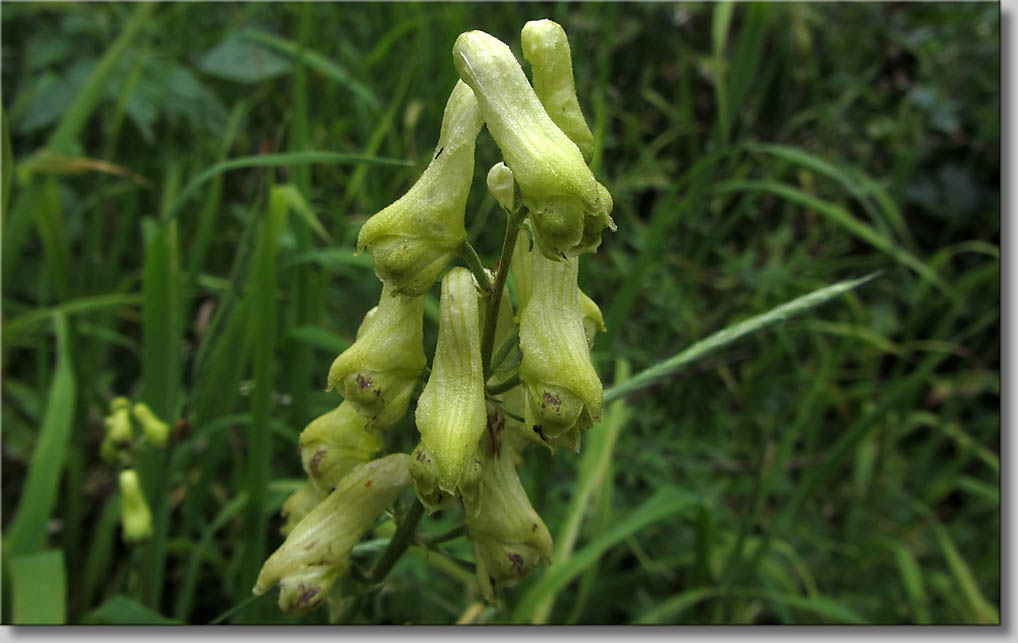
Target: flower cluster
[500, 379]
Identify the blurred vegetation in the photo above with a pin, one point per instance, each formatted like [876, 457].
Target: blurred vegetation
[841, 466]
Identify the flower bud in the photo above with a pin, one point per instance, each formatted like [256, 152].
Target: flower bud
[317, 552]
[135, 517]
[334, 443]
[154, 429]
[563, 392]
[568, 206]
[501, 185]
[593, 321]
[379, 372]
[450, 412]
[118, 429]
[510, 539]
[413, 239]
[299, 504]
[546, 48]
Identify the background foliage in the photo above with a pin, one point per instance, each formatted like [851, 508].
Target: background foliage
[842, 466]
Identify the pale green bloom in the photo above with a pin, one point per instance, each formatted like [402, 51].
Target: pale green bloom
[154, 429]
[450, 412]
[563, 392]
[316, 553]
[135, 517]
[299, 504]
[118, 429]
[334, 443]
[413, 239]
[546, 47]
[510, 539]
[568, 207]
[379, 372]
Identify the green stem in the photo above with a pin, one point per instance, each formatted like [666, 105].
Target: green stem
[474, 263]
[450, 534]
[507, 385]
[402, 539]
[512, 229]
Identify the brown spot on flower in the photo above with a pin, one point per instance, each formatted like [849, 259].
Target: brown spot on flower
[367, 484]
[533, 526]
[516, 561]
[553, 400]
[420, 456]
[363, 382]
[316, 460]
[306, 597]
[538, 431]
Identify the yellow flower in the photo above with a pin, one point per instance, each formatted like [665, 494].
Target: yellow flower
[378, 373]
[154, 429]
[334, 443]
[568, 207]
[135, 517]
[413, 239]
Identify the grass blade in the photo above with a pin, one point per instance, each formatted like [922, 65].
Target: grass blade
[123, 610]
[27, 534]
[271, 160]
[75, 306]
[667, 502]
[844, 219]
[39, 588]
[730, 334]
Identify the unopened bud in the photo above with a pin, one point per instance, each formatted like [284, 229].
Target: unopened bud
[510, 539]
[154, 429]
[450, 412]
[568, 206]
[334, 443]
[546, 47]
[378, 373]
[135, 517]
[317, 552]
[501, 185]
[413, 239]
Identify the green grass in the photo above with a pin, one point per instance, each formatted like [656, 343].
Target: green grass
[182, 188]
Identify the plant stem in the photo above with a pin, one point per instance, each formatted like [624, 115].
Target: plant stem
[402, 539]
[502, 387]
[512, 229]
[450, 534]
[474, 263]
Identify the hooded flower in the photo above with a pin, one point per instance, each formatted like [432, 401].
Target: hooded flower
[568, 207]
[546, 48]
[118, 428]
[450, 411]
[563, 392]
[510, 539]
[378, 373]
[413, 239]
[334, 443]
[299, 504]
[316, 553]
[135, 517]
[154, 429]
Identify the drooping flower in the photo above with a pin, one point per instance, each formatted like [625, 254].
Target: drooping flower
[451, 412]
[413, 239]
[378, 373]
[316, 553]
[568, 207]
[546, 48]
[510, 539]
[334, 443]
[156, 430]
[135, 517]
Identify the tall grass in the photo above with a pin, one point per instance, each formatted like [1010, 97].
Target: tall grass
[182, 188]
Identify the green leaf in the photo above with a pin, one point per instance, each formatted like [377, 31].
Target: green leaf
[123, 610]
[39, 587]
[27, 534]
[82, 305]
[730, 334]
[667, 502]
[319, 338]
[243, 62]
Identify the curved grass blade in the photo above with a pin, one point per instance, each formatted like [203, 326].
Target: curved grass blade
[82, 305]
[843, 218]
[265, 160]
[667, 502]
[730, 334]
[39, 495]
